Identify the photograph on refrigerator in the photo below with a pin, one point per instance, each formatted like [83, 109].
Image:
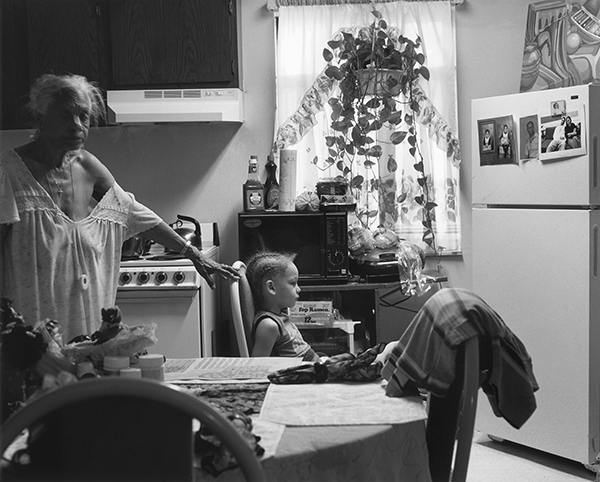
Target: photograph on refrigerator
[529, 138]
[559, 107]
[487, 151]
[486, 140]
[497, 143]
[563, 136]
[506, 140]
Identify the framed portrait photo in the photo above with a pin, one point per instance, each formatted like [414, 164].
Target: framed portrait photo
[487, 142]
[529, 136]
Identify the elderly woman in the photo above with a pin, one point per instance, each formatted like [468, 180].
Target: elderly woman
[63, 217]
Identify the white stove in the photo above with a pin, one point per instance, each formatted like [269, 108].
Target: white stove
[171, 293]
[149, 273]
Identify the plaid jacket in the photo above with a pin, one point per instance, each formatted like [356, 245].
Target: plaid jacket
[426, 354]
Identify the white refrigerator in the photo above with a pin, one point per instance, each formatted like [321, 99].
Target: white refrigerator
[535, 256]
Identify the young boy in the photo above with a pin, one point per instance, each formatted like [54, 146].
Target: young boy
[273, 279]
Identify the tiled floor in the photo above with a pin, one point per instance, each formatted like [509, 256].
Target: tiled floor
[493, 461]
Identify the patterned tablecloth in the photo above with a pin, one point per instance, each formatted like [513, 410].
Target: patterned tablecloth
[335, 431]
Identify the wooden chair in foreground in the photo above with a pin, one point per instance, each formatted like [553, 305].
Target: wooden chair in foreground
[451, 419]
[120, 429]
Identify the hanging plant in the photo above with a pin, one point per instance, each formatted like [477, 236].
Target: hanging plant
[374, 112]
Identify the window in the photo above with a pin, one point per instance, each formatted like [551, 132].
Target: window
[303, 33]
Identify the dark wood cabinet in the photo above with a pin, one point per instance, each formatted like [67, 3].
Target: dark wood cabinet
[121, 44]
[48, 36]
[173, 43]
[14, 75]
[66, 36]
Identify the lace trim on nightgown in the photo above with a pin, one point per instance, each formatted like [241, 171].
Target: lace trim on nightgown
[26, 194]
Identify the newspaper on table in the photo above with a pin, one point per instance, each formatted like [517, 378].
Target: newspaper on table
[225, 369]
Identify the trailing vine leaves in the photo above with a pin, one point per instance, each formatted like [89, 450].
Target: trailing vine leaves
[394, 64]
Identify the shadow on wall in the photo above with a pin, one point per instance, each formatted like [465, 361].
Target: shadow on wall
[165, 164]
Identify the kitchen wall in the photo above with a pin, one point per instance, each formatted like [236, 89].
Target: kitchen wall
[198, 169]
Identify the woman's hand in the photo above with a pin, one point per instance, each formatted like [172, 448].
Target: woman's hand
[165, 235]
[206, 267]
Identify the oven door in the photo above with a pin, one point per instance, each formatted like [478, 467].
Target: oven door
[176, 314]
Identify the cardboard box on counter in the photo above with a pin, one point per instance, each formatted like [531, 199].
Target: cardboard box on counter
[313, 313]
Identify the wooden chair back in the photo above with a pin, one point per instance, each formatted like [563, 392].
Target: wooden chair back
[451, 419]
[242, 310]
[119, 429]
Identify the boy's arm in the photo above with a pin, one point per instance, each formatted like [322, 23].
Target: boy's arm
[385, 354]
[265, 336]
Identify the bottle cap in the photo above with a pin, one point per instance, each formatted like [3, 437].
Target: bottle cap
[85, 368]
[130, 373]
[151, 361]
[116, 362]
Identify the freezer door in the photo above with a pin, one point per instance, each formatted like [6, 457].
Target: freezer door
[539, 270]
[565, 180]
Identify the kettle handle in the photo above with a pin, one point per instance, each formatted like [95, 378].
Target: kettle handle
[198, 230]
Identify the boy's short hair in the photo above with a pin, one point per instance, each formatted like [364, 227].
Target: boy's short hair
[265, 265]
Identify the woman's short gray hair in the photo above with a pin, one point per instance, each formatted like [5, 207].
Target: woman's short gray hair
[47, 88]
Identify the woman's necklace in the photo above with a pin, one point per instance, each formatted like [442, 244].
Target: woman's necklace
[63, 180]
[59, 190]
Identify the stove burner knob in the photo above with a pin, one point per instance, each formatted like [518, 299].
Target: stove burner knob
[125, 278]
[143, 278]
[179, 277]
[161, 277]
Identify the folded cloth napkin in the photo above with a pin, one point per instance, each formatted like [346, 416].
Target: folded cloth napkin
[342, 367]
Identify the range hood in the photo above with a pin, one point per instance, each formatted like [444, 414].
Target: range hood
[175, 105]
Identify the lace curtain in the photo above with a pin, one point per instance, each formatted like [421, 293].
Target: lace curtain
[303, 33]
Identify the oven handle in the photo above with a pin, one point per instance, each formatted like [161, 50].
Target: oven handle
[157, 295]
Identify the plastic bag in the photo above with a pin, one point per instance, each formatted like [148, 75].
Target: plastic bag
[130, 341]
[411, 261]
[360, 241]
[53, 361]
[385, 238]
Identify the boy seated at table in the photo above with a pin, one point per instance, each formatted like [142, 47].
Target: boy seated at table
[273, 279]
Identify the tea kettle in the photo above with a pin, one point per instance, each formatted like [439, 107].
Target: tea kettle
[192, 235]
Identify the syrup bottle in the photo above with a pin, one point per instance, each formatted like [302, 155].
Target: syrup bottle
[254, 195]
[271, 184]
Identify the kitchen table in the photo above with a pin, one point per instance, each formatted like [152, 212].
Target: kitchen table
[329, 432]
[340, 432]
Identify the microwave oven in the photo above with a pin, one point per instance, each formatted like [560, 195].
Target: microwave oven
[318, 239]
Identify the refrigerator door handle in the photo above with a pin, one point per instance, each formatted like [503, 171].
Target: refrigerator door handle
[594, 160]
[595, 250]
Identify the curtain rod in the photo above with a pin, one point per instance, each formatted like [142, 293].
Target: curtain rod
[273, 5]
